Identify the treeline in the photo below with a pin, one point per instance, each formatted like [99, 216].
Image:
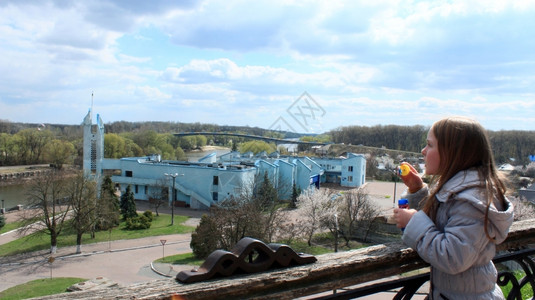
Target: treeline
[512, 146]
[32, 143]
[27, 143]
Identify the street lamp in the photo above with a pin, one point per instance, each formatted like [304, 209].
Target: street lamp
[336, 232]
[173, 196]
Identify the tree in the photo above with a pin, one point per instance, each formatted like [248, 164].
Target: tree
[47, 194]
[83, 198]
[315, 208]
[266, 201]
[59, 152]
[159, 195]
[257, 147]
[295, 194]
[357, 214]
[108, 211]
[128, 204]
[31, 144]
[266, 195]
[234, 218]
[2, 221]
[523, 209]
[204, 238]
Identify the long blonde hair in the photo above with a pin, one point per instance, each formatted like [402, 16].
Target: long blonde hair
[463, 144]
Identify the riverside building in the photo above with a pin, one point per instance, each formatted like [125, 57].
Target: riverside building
[213, 179]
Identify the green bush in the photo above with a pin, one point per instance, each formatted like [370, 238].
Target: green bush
[2, 221]
[204, 240]
[149, 215]
[138, 223]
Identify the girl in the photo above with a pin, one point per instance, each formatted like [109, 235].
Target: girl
[463, 215]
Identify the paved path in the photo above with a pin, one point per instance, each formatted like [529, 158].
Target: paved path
[124, 262]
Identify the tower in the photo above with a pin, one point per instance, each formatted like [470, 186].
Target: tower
[93, 146]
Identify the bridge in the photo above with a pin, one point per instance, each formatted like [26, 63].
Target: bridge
[249, 136]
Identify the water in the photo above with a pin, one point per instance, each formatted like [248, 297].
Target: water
[14, 195]
[196, 155]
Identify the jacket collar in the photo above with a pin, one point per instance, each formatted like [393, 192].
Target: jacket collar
[459, 182]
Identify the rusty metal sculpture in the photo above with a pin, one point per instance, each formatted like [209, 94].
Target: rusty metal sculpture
[248, 256]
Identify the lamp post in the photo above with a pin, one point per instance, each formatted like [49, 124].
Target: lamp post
[336, 232]
[175, 175]
[395, 182]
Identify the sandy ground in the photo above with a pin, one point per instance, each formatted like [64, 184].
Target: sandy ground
[127, 262]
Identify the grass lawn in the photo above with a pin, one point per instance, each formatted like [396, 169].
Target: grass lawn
[181, 259]
[10, 226]
[39, 287]
[526, 291]
[161, 225]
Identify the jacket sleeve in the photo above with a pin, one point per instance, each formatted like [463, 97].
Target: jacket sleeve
[457, 247]
[415, 199]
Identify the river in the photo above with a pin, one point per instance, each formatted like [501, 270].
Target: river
[13, 195]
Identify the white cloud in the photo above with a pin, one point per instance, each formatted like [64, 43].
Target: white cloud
[367, 63]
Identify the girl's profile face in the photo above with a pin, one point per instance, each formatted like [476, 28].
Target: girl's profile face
[431, 155]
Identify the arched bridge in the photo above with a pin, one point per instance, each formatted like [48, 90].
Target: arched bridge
[249, 136]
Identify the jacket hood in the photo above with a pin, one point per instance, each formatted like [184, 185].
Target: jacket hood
[466, 185]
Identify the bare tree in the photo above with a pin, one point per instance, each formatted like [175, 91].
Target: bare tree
[47, 198]
[523, 209]
[315, 208]
[83, 199]
[159, 195]
[244, 214]
[357, 214]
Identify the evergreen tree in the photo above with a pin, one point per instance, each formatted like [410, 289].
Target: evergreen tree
[205, 238]
[109, 207]
[267, 194]
[128, 205]
[2, 221]
[295, 195]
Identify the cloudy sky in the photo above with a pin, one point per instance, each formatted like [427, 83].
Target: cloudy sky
[304, 66]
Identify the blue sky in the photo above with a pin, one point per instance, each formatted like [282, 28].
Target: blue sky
[304, 66]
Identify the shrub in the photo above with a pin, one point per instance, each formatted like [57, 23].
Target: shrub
[2, 221]
[205, 238]
[149, 215]
[138, 223]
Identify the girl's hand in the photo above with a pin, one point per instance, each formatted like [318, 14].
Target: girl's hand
[412, 180]
[402, 216]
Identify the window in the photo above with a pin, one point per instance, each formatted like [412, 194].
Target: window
[128, 173]
[350, 168]
[350, 178]
[137, 189]
[216, 180]
[214, 196]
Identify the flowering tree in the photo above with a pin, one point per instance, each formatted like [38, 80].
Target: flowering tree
[316, 211]
[523, 209]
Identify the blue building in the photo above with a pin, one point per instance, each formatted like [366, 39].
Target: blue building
[349, 171]
[213, 179]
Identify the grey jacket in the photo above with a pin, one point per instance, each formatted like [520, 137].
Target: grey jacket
[456, 247]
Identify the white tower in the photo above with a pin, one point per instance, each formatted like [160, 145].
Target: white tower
[93, 146]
